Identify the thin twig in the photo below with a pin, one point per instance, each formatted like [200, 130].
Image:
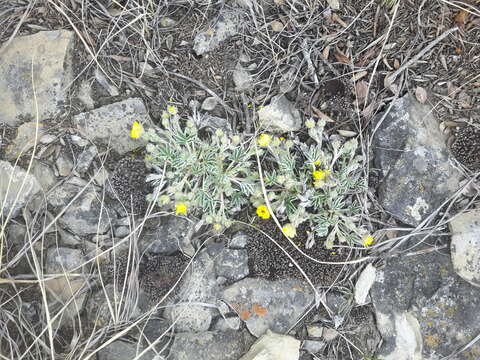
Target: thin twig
[391, 78]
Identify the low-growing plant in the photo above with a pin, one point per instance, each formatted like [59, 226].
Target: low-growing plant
[216, 175]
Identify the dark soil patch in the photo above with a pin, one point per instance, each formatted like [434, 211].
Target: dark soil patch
[267, 260]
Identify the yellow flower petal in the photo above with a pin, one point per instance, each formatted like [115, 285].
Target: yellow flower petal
[264, 140]
[172, 109]
[262, 211]
[136, 131]
[319, 174]
[181, 209]
[289, 230]
[368, 240]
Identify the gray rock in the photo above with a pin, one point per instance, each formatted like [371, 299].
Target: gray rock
[67, 288]
[228, 24]
[85, 159]
[210, 122]
[423, 308]
[315, 331]
[86, 215]
[50, 52]
[98, 307]
[313, 346]
[28, 135]
[232, 264]
[122, 231]
[197, 291]
[85, 94]
[242, 78]
[44, 174]
[111, 124]
[120, 350]
[280, 115]
[209, 103]
[156, 331]
[61, 195]
[465, 245]
[239, 240]
[273, 346]
[411, 152]
[17, 188]
[210, 345]
[168, 237]
[16, 234]
[228, 323]
[64, 165]
[263, 304]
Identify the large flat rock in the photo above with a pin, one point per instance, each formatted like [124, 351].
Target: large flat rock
[424, 310]
[17, 187]
[110, 125]
[264, 305]
[411, 153]
[465, 245]
[37, 64]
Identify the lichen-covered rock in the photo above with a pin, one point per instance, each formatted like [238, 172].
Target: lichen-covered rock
[410, 150]
[28, 135]
[67, 288]
[424, 309]
[39, 63]
[120, 350]
[263, 304]
[465, 245]
[17, 188]
[280, 115]
[273, 346]
[197, 288]
[229, 263]
[227, 25]
[168, 236]
[87, 215]
[210, 345]
[111, 124]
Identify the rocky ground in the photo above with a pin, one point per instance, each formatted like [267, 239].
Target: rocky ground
[88, 270]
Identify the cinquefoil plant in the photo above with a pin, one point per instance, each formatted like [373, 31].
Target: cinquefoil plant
[218, 175]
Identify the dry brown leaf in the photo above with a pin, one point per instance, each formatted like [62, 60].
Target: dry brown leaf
[359, 75]
[338, 20]
[361, 89]
[326, 52]
[341, 57]
[368, 111]
[452, 90]
[421, 94]
[347, 133]
[322, 115]
[461, 18]
[396, 64]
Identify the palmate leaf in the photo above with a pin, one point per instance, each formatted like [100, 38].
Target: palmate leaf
[289, 203]
[246, 187]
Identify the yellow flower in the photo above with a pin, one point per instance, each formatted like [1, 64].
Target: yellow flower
[217, 227]
[368, 240]
[262, 211]
[136, 131]
[181, 209]
[172, 109]
[264, 140]
[317, 162]
[310, 124]
[289, 230]
[281, 138]
[319, 174]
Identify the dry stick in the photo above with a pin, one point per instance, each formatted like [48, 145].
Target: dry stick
[381, 51]
[391, 78]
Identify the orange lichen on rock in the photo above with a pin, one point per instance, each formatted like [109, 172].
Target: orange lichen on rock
[259, 310]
